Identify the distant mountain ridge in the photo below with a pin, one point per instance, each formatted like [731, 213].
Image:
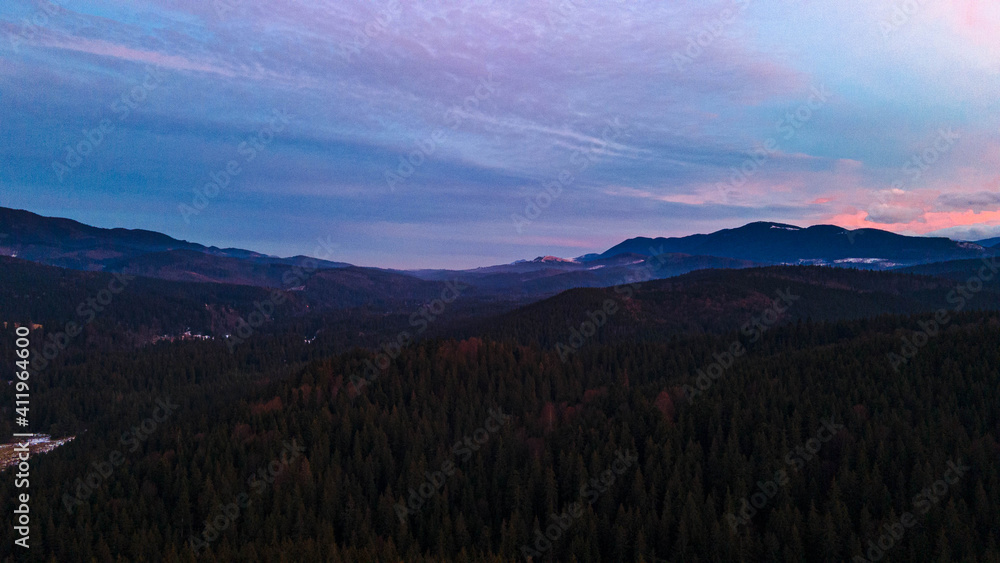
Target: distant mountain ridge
[778, 243]
[989, 243]
[718, 301]
[548, 275]
[70, 244]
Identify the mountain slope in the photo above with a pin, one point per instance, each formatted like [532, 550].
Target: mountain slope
[546, 276]
[821, 244]
[718, 301]
[71, 244]
[989, 243]
[959, 270]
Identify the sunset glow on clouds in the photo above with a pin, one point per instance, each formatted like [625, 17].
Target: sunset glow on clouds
[662, 118]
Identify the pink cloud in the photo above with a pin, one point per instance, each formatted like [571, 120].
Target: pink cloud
[117, 51]
[978, 18]
[976, 22]
[932, 221]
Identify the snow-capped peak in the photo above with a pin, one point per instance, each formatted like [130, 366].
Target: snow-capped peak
[548, 259]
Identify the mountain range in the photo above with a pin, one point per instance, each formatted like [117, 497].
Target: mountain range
[69, 244]
[776, 243]
[707, 375]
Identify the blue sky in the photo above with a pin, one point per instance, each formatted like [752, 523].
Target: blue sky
[459, 134]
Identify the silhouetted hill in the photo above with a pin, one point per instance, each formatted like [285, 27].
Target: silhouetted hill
[821, 244]
[958, 270]
[548, 276]
[716, 301]
[71, 244]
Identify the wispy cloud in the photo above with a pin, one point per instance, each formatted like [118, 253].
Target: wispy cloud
[564, 74]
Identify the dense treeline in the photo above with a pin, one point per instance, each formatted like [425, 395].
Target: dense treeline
[367, 442]
[715, 301]
[114, 312]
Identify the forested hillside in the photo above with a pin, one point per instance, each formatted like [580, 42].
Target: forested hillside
[346, 456]
[714, 301]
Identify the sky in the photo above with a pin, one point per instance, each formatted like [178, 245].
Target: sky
[461, 134]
